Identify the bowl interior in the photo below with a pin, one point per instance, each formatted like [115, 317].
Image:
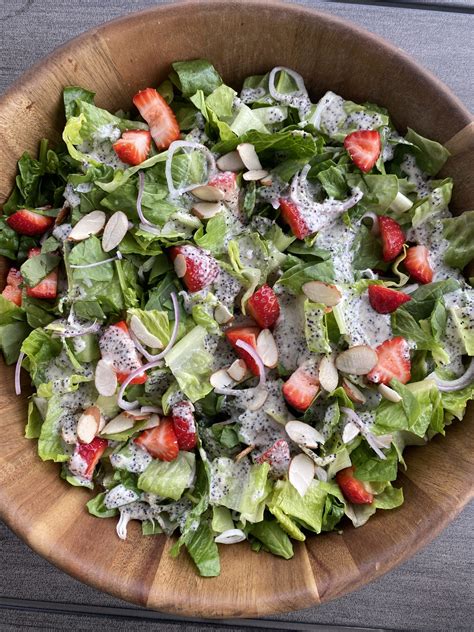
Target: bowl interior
[241, 39]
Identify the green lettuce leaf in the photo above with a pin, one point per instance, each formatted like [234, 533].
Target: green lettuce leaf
[168, 478]
[459, 231]
[203, 550]
[306, 511]
[294, 277]
[430, 155]
[316, 330]
[35, 269]
[96, 507]
[273, 537]
[50, 447]
[198, 74]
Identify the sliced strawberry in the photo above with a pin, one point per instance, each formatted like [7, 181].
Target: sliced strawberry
[47, 288]
[364, 148]
[417, 264]
[292, 216]
[184, 425]
[160, 117]
[248, 335]
[194, 266]
[353, 490]
[121, 351]
[13, 294]
[263, 307]
[277, 456]
[88, 455]
[134, 146]
[300, 389]
[161, 442]
[385, 300]
[225, 181]
[29, 223]
[34, 252]
[393, 362]
[392, 237]
[14, 277]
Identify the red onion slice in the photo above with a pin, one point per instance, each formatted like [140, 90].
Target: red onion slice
[141, 188]
[375, 221]
[369, 436]
[97, 263]
[289, 98]
[256, 358]
[172, 149]
[17, 372]
[448, 386]
[90, 329]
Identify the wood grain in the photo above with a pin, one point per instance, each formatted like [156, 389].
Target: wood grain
[241, 39]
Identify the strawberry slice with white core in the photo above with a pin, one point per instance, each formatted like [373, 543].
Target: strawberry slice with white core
[13, 294]
[277, 456]
[29, 223]
[86, 456]
[353, 490]
[225, 181]
[48, 287]
[392, 237]
[393, 362]
[386, 300]
[248, 335]
[133, 147]
[160, 117]
[160, 442]
[263, 307]
[292, 216]
[194, 266]
[417, 264]
[363, 146]
[118, 348]
[301, 388]
[184, 425]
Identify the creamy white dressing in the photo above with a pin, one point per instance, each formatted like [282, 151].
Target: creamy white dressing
[364, 325]
[338, 239]
[289, 331]
[415, 175]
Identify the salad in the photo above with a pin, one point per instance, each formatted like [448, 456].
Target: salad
[236, 309]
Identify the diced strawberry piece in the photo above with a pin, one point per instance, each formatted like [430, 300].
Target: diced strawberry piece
[277, 456]
[248, 335]
[29, 223]
[14, 277]
[392, 237]
[123, 326]
[292, 216]
[225, 181]
[393, 362]
[13, 294]
[161, 442]
[353, 489]
[300, 389]
[194, 266]
[160, 117]
[385, 300]
[91, 453]
[47, 288]
[134, 146]
[263, 307]
[122, 376]
[34, 252]
[184, 425]
[364, 148]
[417, 264]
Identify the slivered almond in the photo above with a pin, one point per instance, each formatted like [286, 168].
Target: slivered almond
[206, 210]
[255, 174]
[350, 432]
[221, 379]
[230, 162]
[267, 349]
[208, 193]
[118, 424]
[259, 400]
[88, 424]
[105, 378]
[114, 231]
[102, 423]
[152, 422]
[249, 156]
[180, 266]
[90, 224]
[324, 293]
[358, 360]
[389, 393]
[301, 473]
[303, 434]
[352, 392]
[328, 375]
[136, 415]
[244, 452]
[222, 315]
[143, 335]
[238, 370]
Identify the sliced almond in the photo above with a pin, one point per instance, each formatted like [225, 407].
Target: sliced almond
[238, 370]
[249, 156]
[221, 379]
[143, 335]
[350, 432]
[136, 415]
[259, 400]
[352, 392]
[389, 393]
[301, 473]
[180, 266]
[153, 422]
[324, 293]
[88, 424]
[206, 210]
[303, 434]
[358, 360]
[230, 162]
[267, 349]
[90, 224]
[328, 375]
[208, 193]
[114, 231]
[222, 315]
[244, 452]
[118, 424]
[105, 378]
[102, 423]
[255, 174]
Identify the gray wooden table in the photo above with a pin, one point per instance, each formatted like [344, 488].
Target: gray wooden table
[432, 591]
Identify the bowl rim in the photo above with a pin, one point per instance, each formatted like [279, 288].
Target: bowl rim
[18, 86]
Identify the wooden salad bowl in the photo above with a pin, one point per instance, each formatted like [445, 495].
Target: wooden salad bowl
[244, 38]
